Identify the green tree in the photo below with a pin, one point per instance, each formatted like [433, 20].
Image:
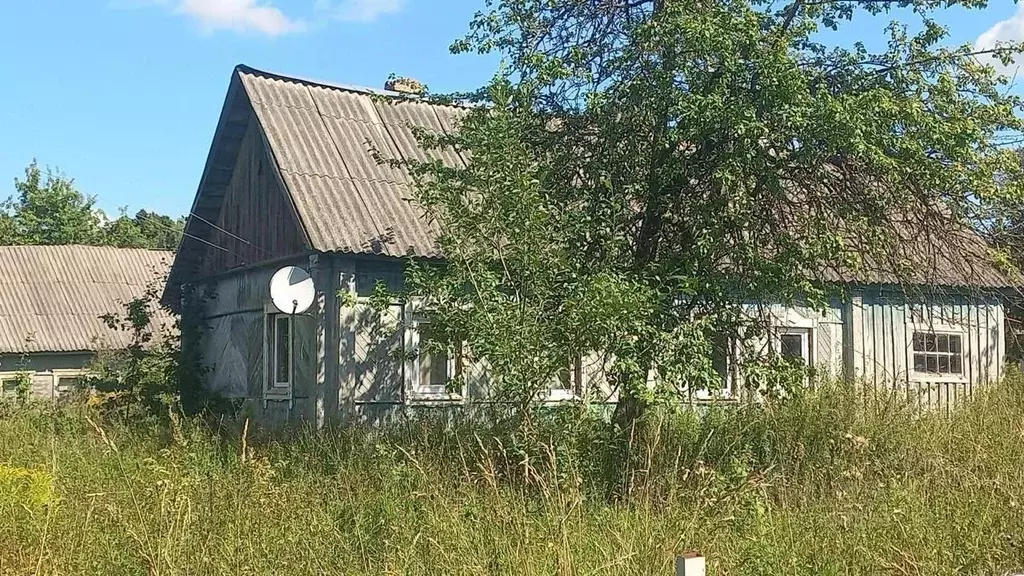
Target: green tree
[642, 166]
[145, 230]
[162, 231]
[48, 209]
[124, 232]
[8, 230]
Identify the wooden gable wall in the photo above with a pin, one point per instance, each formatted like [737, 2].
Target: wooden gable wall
[257, 221]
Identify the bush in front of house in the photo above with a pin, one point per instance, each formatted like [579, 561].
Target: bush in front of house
[155, 374]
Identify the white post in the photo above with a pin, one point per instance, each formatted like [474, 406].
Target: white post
[690, 564]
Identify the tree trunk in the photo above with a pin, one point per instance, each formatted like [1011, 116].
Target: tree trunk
[628, 423]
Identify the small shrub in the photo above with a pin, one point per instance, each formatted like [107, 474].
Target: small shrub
[152, 376]
[25, 488]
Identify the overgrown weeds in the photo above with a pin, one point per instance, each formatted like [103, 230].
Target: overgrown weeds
[823, 483]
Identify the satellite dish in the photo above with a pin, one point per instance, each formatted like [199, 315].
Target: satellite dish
[291, 290]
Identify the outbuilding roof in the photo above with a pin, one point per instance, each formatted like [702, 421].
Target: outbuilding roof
[52, 297]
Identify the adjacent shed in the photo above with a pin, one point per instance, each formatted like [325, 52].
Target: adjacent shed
[290, 180]
[51, 302]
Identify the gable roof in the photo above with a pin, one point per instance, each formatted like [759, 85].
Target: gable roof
[320, 137]
[52, 297]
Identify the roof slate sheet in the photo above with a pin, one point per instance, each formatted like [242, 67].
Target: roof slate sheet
[323, 139]
[52, 297]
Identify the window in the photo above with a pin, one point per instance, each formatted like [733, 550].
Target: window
[66, 384]
[568, 383]
[10, 387]
[938, 353]
[435, 367]
[723, 361]
[795, 344]
[279, 352]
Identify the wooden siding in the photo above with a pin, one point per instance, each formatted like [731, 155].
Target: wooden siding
[45, 370]
[257, 222]
[233, 343]
[882, 324]
[866, 338]
[825, 326]
[379, 370]
[372, 377]
[353, 356]
[872, 332]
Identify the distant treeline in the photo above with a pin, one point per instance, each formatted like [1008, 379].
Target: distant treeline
[48, 209]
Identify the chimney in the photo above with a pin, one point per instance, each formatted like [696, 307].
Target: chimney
[403, 85]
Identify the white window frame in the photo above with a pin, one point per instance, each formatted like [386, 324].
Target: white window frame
[59, 389]
[416, 390]
[60, 373]
[272, 389]
[807, 341]
[922, 317]
[556, 393]
[940, 330]
[4, 378]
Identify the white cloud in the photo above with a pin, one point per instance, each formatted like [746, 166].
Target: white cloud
[236, 15]
[262, 17]
[1006, 31]
[359, 10]
[240, 16]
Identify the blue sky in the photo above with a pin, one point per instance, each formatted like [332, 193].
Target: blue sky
[123, 95]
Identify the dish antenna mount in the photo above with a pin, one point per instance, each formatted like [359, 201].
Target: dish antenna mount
[292, 290]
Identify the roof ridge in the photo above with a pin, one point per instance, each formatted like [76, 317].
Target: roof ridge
[390, 94]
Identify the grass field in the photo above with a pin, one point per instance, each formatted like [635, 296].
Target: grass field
[824, 484]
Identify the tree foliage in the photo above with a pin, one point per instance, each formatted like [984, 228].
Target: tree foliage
[145, 230]
[161, 370]
[639, 168]
[49, 209]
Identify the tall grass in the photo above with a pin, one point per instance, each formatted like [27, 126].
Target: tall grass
[822, 484]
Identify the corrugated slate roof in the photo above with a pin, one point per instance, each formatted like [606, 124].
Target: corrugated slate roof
[322, 136]
[52, 297]
[927, 254]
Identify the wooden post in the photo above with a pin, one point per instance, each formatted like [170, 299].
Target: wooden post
[343, 343]
[321, 280]
[690, 564]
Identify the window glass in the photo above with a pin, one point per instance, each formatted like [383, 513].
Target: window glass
[721, 357]
[67, 383]
[282, 349]
[433, 364]
[10, 387]
[954, 344]
[433, 369]
[792, 346]
[938, 353]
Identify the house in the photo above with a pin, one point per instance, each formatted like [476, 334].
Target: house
[51, 302]
[289, 181]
